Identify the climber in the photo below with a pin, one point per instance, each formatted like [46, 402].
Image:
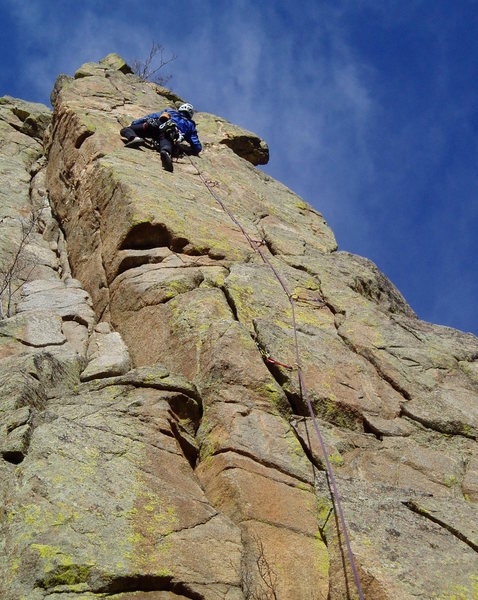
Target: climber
[168, 128]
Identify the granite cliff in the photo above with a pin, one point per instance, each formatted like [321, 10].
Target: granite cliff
[149, 448]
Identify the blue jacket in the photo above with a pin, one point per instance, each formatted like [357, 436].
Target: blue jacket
[186, 126]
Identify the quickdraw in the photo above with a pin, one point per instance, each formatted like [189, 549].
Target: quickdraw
[259, 242]
[279, 364]
[316, 302]
[268, 358]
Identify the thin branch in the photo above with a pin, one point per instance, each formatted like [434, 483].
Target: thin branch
[13, 269]
[266, 588]
[147, 71]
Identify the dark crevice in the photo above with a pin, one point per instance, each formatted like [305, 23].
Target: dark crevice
[146, 236]
[49, 344]
[27, 131]
[305, 269]
[103, 311]
[34, 375]
[148, 583]
[277, 372]
[57, 218]
[268, 245]
[76, 319]
[247, 147]
[13, 456]
[396, 386]
[181, 407]
[420, 510]
[205, 521]
[178, 243]
[82, 137]
[132, 262]
[102, 305]
[295, 400]
[230, 302]
[149, 236]
[369, 428]
[306, 447]
[331, 307]
[189, 450]
[22, 114]
[259, 217]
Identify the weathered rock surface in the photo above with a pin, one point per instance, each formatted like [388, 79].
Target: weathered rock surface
[156, 443]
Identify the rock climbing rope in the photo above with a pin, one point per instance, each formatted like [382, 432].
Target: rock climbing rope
[256, 246]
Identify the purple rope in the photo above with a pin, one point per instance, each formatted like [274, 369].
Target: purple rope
[324, 451]
[303, 387]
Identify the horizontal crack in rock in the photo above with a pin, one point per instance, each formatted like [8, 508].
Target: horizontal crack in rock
[420, 510]
[264, 463]
[457, 428]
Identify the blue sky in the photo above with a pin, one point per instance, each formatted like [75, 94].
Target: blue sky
[369, 107]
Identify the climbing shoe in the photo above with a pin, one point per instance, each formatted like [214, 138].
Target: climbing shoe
[134, 141]
[166, 160]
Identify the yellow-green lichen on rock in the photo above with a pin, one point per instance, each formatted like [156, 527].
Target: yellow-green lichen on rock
[183, 475]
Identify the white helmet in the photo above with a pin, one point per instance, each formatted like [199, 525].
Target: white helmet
[187, 108]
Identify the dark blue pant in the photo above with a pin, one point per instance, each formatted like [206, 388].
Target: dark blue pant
[152, 133]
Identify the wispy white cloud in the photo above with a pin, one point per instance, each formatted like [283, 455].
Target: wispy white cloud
[372, 139]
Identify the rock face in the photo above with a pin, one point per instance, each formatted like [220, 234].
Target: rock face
[155, 441]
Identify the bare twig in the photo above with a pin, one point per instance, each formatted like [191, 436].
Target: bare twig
[266, 586]
[12, 276]
[266, 573]
[264, 583]
[147, 69]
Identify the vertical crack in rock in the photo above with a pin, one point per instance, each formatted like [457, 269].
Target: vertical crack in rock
[230, 302]
[306, 446]
[186, 442]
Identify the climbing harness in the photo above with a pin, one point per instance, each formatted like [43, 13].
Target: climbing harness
[256, 246]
